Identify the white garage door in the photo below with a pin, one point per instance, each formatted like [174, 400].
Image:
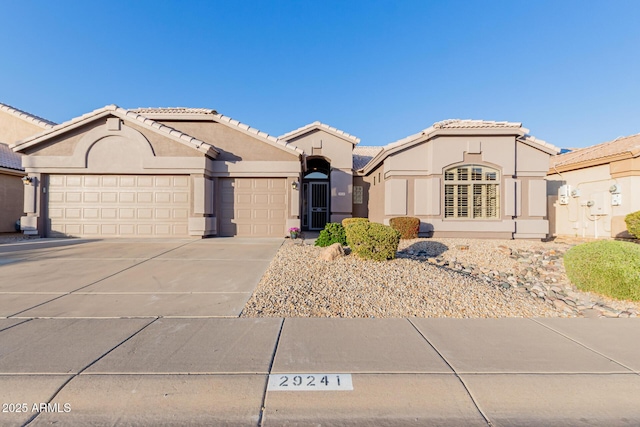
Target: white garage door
[118, 205]
[253, 207]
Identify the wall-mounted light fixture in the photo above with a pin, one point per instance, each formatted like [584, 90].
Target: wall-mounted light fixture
[295, 185]
[27, 180]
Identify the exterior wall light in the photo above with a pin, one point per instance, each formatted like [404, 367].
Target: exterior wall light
[295, 185]
[27, 180]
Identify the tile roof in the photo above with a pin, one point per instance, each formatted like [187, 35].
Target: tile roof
[9, 159]
[39, 121]
[246, 128]
[174, 133]
[220, 118]
[603, 151]
[363, 155]
[173, 110]
[460, 124]
[468, 123]
[320, 125]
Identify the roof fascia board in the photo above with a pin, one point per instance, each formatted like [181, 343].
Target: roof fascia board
[57, 131]
[9, 171]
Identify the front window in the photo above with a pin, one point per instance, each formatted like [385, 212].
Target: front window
[471, 191]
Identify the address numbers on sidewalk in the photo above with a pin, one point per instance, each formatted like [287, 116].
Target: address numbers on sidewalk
[310, 382]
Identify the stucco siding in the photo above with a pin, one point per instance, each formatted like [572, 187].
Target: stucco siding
[14, 129]
[234, 145]
[11, 200]
[531, 161]
[320, 143]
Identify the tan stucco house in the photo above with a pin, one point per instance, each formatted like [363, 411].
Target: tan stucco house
[194, 172]
[462, 178]
[592, 189]
[14, 125]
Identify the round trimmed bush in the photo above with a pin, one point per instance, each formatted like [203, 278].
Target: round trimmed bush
[633, 224]
[349, 221]
[408, 226]
[608, 267]
[370, 240]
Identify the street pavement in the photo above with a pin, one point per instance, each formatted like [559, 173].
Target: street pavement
[147, 332]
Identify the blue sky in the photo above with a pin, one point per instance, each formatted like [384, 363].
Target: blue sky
[381, 70]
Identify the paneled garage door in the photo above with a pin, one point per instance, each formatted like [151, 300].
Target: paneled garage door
[118, 205]
[253, 207]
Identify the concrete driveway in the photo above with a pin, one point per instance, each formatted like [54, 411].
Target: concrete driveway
[131, 278]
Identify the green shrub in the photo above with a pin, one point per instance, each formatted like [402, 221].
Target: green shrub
[407, 226]
[633, 224]
[333, 233]
[348, 221]
[370, 240]
[608, 267]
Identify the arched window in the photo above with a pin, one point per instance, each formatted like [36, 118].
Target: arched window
[471, 191]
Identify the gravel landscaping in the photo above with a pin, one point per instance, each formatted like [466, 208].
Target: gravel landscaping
[459, 278]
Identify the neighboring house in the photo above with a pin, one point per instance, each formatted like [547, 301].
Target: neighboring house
[462, 178]
[14, 125]
[194, 172]
[592, 189]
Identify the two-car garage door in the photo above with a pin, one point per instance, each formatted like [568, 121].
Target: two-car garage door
[158, 206]
[253, 207]
[118, 205]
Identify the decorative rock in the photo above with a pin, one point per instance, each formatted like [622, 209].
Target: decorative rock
[332, 252]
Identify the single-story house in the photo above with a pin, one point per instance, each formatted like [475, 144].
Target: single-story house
[14, 125]
[195, 172]
[592, 189]
[462, 178]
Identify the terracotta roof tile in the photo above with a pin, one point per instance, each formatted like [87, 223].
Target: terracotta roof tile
[9, 159]
[39, 121]
[603, 151]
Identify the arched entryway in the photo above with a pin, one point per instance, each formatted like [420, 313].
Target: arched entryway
[316, 194]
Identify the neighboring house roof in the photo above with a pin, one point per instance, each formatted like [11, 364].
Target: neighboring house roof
[182, 113]
[363, 155]
[619, 148]
[170, 132]
[38, 121]
[9, 159]
[466, 126]
[321, 126]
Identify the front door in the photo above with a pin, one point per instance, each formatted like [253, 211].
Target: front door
[318, 205]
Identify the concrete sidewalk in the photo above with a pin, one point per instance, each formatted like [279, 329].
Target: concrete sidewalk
[215, 371]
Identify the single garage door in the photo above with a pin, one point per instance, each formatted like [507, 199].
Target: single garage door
[253, 207]
[118, 205]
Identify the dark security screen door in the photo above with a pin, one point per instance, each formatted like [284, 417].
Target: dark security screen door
[318, 204]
